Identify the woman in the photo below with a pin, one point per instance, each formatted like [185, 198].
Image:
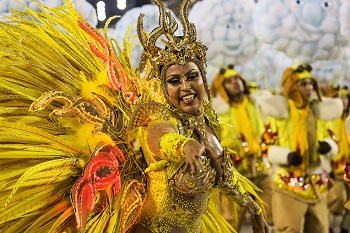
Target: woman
[189, 140]
[192, 151]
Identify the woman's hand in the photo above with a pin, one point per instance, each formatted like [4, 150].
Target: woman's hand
[193, 151]
[259, 224]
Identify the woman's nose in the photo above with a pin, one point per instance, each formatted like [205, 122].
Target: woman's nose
[185, 85]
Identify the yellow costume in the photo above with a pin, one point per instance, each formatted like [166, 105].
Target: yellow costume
[70, 108]
[338, 193]
[300, 189]
[241, 121]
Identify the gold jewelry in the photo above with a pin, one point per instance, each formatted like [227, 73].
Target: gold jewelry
[179, 50]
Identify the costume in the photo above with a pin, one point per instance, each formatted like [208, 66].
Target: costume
[71, 107]
[337, 195]
[241, 120]
[300, 182]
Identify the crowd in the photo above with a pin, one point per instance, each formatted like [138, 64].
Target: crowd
[293, 147]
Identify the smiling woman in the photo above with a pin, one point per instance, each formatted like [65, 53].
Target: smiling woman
[185, 87]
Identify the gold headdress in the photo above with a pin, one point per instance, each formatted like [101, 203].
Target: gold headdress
[178, 49]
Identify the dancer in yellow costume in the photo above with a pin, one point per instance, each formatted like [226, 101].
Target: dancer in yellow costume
[241, 120]
[71, 105]
[337, 195]
[302, 149]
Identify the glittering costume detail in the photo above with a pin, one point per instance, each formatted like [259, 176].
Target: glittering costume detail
[171, 145]
[131, 204]
[101, 173]
[178, 212]
[229, 184]
[199, 182]
[147, 112]
[308, 187]
[94, 110]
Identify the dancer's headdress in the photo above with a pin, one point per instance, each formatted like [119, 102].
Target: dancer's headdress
[177, 50]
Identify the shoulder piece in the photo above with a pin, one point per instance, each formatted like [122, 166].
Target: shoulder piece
[144, 113]
[328, 109]
[275, 106]
[254, 96]
[220, 105]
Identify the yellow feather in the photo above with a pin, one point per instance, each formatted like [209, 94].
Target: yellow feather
[52, 212]
[60, 220]
[40, 135]
[99, 222]
[31, 200]
[34, 170]
[50, 177]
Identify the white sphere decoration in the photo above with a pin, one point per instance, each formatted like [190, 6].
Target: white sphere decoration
[225, 27]
[307, 31]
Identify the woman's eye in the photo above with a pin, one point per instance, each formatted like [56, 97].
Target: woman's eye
[192, 77]
[173, 82]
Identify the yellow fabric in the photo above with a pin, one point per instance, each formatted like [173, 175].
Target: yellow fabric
[298, 139]
[304, 74]
[287, 128]
[343, 140]
[244, 120]
[230, 73]
[245, 126]
[171, 145]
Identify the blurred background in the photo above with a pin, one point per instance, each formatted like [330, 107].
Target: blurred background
[259, 37]
[119, 7]
[108, 8]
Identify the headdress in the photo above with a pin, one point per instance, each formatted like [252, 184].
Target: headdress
[177, 49]
[335, 90]
[290, 78]
[217, 85]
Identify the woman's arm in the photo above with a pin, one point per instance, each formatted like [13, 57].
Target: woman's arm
[166, 143]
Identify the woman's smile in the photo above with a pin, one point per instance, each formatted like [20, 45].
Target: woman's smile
[185, 87]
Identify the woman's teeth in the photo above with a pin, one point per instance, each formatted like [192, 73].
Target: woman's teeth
[188, 97]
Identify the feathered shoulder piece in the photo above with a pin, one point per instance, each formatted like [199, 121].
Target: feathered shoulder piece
[67, 94]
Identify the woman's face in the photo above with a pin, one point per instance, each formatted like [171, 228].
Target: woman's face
[185, 87]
